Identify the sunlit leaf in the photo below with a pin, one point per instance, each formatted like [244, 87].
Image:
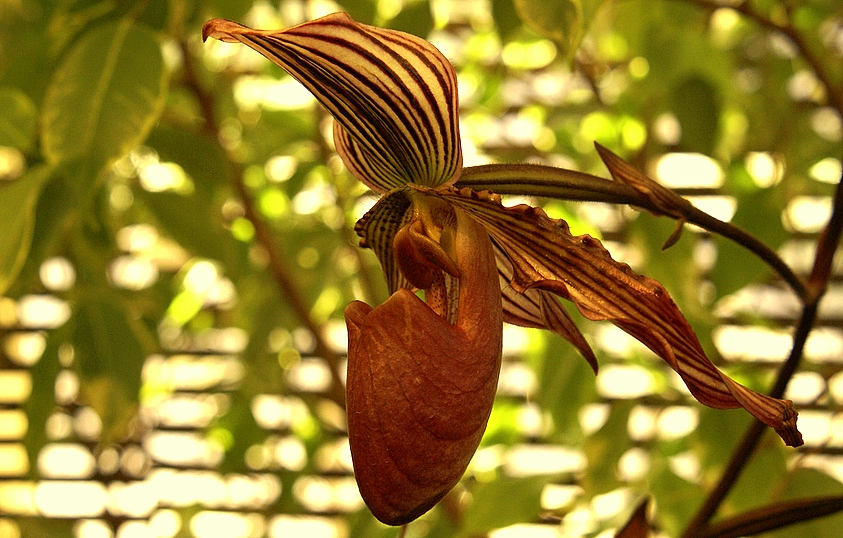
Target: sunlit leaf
[503, 502]
[104, 97]
[17, 216]
[17, 119]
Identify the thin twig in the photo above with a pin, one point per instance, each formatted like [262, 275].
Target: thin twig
[279, 269]
[834, 94]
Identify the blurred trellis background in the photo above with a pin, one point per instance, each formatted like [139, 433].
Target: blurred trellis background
[177, 251]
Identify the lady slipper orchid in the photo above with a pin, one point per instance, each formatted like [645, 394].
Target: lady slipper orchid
[422, 377]
[422, 374]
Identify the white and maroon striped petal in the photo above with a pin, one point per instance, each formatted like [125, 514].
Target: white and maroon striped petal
[393, 95]
[544, 255]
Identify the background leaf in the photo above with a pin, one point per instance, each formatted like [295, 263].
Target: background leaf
[502, 502]
[17, 205]
[110, 349]
[696, 102]
[105, 96]
[18, 116]
[559, 20]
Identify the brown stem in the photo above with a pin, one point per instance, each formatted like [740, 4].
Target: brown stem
[279, 269]
[827, 245]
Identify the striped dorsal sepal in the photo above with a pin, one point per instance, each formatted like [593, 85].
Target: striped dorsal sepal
[392, 94]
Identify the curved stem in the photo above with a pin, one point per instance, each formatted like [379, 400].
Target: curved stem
[551, 182]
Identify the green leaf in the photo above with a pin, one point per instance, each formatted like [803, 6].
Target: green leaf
[41, 527]
[759, 477]
[17, 219]
[726, 426]
[675, 497]
[41, 403]
[231, 9]
[806, 482]
[18, 115]
[104, 97]
[758, 213]
[200, 157]
[604, 448]
[110, 348]
[416, 18]
[674, 270]
[501, 503]
[196, 224]
[55, 214]
[559, 20]
[506, 18]
[566, 383]
[697, 106]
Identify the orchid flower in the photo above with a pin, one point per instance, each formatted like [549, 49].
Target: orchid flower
[422, 374]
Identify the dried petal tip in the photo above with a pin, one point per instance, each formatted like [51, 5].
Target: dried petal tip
[220, 29]
[787, 431]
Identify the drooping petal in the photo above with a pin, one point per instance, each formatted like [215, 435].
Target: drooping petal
[393, 94]
[545, 255]
[419, 388]
[539, 309]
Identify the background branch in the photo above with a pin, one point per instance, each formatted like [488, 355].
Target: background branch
[288, 289]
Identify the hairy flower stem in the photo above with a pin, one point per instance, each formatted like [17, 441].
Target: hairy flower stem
[552, 182]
